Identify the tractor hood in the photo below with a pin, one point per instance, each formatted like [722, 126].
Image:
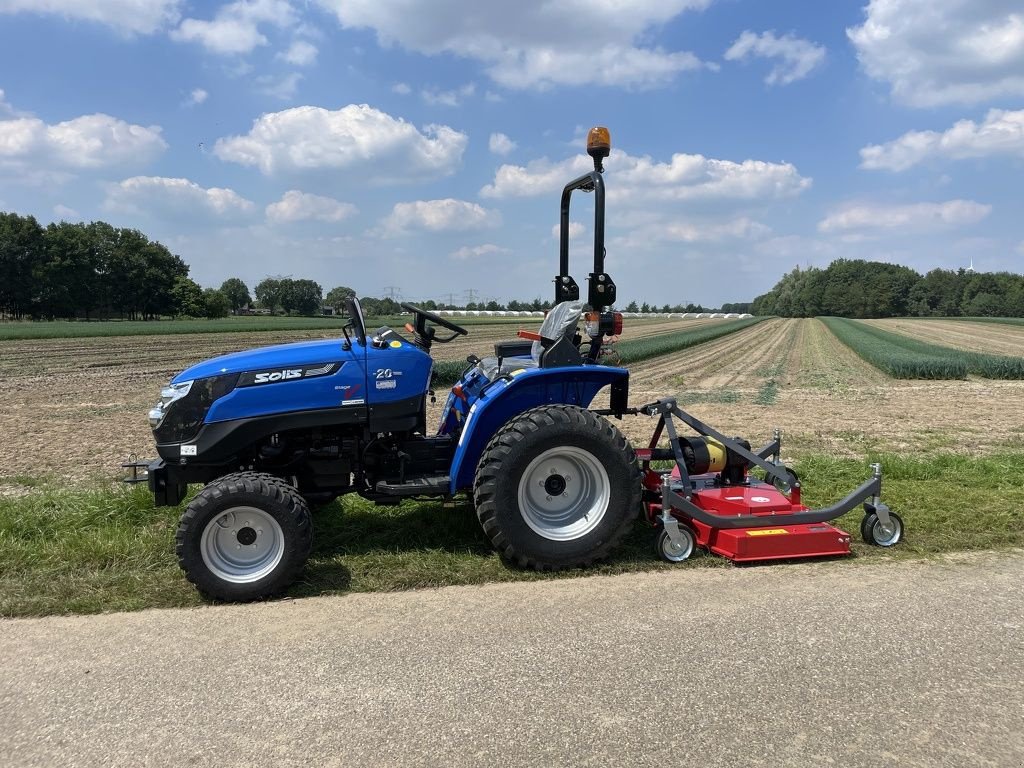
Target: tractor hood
[299, 354]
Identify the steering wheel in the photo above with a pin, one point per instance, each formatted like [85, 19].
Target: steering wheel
[426, 335]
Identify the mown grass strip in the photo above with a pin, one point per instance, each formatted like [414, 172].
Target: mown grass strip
[446, 372]
[903, 357]
[85, 551]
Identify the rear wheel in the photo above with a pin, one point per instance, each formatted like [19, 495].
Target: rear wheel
[557, 487]
[244, 537]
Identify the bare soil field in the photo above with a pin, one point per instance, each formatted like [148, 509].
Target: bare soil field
[990, 338]
[75, 408]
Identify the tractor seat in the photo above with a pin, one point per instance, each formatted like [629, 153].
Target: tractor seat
[559, 324]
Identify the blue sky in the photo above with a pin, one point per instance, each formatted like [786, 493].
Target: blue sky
[377, 143]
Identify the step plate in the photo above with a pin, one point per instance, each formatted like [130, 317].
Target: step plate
[779, 542]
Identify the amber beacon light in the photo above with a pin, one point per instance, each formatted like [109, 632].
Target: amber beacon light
[599, 145]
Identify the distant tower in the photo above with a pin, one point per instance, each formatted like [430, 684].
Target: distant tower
[970, 268]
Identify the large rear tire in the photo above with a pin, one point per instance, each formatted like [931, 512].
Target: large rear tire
[245, 536]
[557, 487]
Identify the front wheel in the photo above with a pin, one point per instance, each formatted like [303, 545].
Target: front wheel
[557, 487]
[244, 537]
[671, 552]
[875, 532]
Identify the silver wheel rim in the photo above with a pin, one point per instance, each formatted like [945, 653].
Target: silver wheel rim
[673, 552]
[886, 537]
[242, 545]
[564, 493]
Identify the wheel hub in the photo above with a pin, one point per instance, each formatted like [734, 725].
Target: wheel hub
[242, 545]
[246, 536]
[554, 485]
[564, 493]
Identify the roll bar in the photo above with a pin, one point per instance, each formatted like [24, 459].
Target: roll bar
[601, 292]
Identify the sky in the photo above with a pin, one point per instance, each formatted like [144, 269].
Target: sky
[418, 149]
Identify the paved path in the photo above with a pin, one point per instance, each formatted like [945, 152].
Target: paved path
[832, 663]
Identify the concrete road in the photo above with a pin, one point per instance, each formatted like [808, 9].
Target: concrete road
[832, 663]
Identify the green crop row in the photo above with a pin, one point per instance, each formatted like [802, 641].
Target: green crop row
[903, 357]
[635, 350]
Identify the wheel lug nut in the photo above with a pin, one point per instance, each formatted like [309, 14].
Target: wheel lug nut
[238, 546]
[548, 498]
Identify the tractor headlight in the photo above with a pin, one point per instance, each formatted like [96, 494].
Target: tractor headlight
[183, 407]
[168, 395]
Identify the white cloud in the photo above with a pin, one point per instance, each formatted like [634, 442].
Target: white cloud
[916, 217]
[63, 213]
[538, 44]
[452, 98]
[500, 144]
[468, 252]
[684, 177]
[951, 52]
[664, 229]
[1001, 133]
[159, 196]
[300, 53]
[302, 206]
[402, 89]
[384, 149]
[796, 57]
[196, 97]
[235, 28]
[127, 16]
[283, 87]
[575, 230]
[446, 215]
[89, 141]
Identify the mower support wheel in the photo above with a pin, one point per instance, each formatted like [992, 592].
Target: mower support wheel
[244, 537]
[874, 532]
[670, 551]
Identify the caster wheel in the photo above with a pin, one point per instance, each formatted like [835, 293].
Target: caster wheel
[672, 553]
[874, 532]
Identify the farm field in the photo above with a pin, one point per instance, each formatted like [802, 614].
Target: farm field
[794, 374]
[76, 407]
[990, 338]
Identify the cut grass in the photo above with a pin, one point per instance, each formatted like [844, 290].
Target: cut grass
[903, 357]
[85, 551]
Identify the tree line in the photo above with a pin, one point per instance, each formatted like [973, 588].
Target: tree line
[863, 289]
[97, 271]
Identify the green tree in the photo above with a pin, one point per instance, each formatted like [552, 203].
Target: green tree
[188, 298]
[632, 307]
[302, 296]
[268, 293]
[336, 297]
[216, 303]
[21, 251]
[236, 292]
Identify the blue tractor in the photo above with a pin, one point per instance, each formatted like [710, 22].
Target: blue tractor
[271, 432]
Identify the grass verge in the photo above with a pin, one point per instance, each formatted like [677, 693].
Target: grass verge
[906, 358]
[86, 551]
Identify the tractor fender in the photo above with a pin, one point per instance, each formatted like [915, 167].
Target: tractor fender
[506, 398]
